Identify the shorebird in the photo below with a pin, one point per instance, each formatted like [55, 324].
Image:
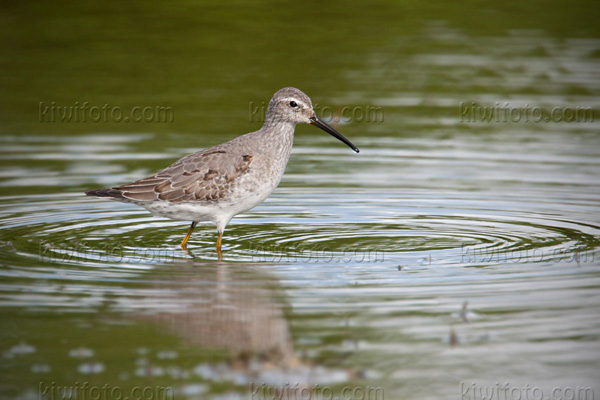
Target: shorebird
[220, 182]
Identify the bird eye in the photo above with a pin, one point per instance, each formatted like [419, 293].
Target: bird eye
[293, 104]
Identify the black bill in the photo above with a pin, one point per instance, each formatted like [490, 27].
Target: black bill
[318, 123]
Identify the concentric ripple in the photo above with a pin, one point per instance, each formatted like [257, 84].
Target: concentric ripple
[299, 225]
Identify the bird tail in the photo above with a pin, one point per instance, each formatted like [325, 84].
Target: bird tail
[108, 192]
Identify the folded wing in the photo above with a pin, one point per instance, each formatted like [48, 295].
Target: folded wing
[205, 176]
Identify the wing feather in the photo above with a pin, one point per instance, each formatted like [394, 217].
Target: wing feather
[204, 176]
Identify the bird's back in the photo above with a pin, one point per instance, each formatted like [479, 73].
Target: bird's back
[251, 162]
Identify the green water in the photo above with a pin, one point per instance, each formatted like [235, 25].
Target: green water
[451, 255]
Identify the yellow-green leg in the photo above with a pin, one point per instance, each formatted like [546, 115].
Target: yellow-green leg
[219, 241]
[187, 237]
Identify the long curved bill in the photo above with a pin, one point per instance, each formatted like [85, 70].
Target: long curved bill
[320, 124]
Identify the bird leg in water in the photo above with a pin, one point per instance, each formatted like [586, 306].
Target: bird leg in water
[187, 237]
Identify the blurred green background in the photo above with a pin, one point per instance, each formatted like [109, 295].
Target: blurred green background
[208, 60]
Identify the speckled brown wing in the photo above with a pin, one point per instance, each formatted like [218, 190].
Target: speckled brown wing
[204, 176]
